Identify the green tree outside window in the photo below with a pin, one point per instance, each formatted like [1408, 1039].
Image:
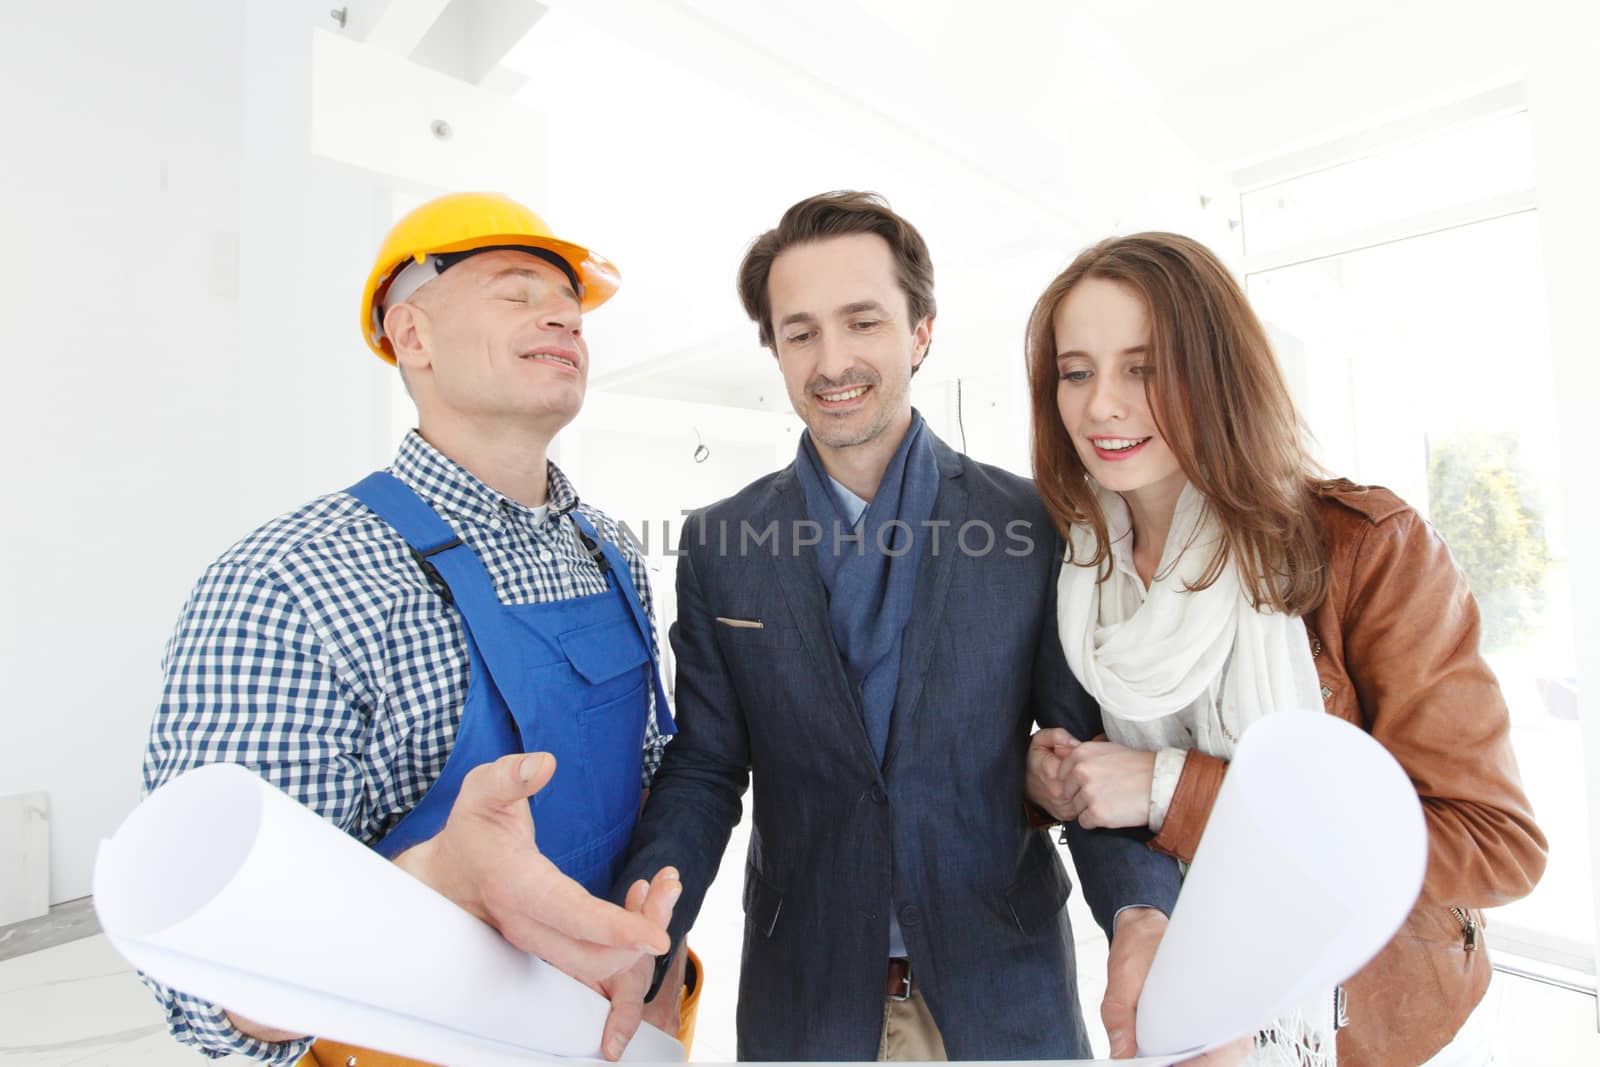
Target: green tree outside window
[1484, 504]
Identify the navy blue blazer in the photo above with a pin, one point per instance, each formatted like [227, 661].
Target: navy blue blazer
[939, 829]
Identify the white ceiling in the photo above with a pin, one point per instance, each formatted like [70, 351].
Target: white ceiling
[1012, 133]
[1244, 80]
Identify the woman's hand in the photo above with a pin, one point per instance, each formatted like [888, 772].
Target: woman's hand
[1098, 783]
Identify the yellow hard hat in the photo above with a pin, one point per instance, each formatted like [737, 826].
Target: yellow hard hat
[473, 222]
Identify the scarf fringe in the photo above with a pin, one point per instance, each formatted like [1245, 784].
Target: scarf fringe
[1294, 1041]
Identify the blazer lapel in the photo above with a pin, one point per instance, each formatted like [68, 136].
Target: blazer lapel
[807, 600]
[933, 583]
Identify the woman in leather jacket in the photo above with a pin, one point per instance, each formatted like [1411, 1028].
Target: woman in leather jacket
[1215, 575]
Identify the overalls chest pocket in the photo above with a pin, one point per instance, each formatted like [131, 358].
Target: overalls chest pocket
[590, 709]
[606, 658]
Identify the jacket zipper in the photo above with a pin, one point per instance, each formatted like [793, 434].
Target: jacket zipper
[1469, 929]
[1469, 925]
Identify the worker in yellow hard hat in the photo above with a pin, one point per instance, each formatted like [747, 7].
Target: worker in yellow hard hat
[415, 657]
[445, 231]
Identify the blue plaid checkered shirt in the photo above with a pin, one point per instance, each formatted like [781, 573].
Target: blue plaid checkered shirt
[315, 652]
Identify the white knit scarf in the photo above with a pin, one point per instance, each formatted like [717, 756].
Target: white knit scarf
[1148, 655]
[1174, 662]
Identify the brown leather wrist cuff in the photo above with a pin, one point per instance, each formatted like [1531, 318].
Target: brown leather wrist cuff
[1191, 805]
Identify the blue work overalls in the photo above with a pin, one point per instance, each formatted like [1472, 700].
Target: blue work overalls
[568, 677]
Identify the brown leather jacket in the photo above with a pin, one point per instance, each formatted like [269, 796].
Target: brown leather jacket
[1396, 648]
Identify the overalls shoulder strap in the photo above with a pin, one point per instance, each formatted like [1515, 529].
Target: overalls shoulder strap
[443, 557]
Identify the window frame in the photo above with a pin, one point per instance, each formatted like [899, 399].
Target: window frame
[1527, 953]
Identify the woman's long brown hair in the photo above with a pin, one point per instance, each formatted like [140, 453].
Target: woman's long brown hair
[1219, 400]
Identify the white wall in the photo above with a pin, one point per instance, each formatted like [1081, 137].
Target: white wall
[185, 369]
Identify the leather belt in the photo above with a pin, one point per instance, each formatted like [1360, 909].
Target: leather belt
[898, 985]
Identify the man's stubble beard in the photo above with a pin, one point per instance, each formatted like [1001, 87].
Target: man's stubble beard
[882, 420]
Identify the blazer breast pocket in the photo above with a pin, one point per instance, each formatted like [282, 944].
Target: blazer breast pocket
[735, 633]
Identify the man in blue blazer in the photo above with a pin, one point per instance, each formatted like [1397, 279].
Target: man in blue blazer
[871, 632]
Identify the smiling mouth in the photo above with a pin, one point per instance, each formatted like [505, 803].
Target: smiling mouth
[562, 358]
[842, 396]
[1114, 448]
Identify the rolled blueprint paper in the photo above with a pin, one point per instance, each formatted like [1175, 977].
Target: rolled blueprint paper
[223, 887]
[1312, 858]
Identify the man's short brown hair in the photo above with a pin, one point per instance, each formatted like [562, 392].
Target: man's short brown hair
[836, 214]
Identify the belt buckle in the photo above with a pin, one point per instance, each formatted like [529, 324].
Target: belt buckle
[904, 993]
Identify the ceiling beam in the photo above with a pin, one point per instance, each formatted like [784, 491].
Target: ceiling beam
[398, 26]
[470, 38]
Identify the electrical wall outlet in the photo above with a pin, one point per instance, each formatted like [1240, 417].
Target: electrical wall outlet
[24, 857]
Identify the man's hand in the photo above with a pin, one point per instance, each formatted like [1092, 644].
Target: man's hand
[1101, 784]
[626, 989]
[1134, 938]
[486, 861]
[1047, 750]
[1133, 949]
[663, 1012]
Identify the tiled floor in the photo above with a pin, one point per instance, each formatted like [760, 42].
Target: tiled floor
[71, 921]
[79, 1004]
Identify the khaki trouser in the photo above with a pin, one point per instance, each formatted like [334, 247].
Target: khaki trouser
[909, 1032]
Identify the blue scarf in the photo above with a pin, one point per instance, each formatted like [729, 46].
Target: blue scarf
[870, 570]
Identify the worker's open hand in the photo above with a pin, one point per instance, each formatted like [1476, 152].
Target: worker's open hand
[486, 860]
[626, 989]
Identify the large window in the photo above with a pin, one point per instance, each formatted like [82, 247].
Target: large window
[1405, 295]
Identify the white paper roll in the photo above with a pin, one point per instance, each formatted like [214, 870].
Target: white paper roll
[222, 886]
[1313, 856]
